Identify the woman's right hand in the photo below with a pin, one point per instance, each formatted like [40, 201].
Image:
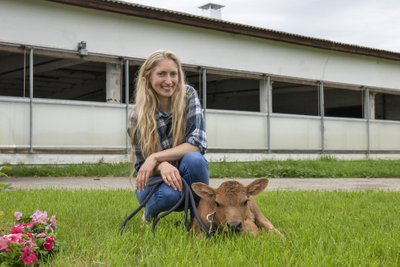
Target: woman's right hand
[145, 172]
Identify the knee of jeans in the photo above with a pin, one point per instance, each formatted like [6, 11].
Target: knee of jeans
[195, 160]
[168, 199]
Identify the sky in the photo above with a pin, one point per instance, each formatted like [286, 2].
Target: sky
[369, 23]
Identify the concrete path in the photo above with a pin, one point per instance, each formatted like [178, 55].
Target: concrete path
[107, 183]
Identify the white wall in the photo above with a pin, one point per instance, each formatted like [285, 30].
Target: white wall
[346, 134]
[385, 135]
[48, 24]
[62, 124]
[68, 125]
[295, 132]
[14, 123]
[236, 130]
[74, 125]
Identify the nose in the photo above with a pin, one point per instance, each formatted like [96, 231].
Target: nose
[168, 79]
[235, 226]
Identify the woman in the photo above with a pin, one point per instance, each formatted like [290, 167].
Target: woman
[167, 132]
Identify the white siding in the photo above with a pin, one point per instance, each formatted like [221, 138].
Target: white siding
[14, 123]
[295, 132]
[236, 130]
[60, 26]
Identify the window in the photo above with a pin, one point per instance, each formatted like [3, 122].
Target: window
[233, 93]
[14, 77]
[72, 79]
[133, 73]
[193, 78]
[387, 106]
[293, 98]
[343, 103]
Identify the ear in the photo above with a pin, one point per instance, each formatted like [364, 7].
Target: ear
[257, 186]
[204, 191]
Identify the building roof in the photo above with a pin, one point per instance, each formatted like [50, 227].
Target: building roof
[133, 9]
[211, 5]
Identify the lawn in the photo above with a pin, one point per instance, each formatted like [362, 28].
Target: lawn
[320, 168]
[321, 228]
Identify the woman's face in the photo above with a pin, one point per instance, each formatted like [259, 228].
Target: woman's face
[164, 78]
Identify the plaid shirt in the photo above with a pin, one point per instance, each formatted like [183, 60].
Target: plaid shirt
[195, 130]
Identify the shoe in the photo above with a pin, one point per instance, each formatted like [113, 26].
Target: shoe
[144, 220]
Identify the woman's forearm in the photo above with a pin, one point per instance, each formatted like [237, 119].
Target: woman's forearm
[175, 153]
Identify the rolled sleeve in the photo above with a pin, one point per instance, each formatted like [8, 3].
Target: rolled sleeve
[134, 145]
[195, 127]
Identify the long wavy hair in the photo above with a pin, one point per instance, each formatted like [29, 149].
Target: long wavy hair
[146, 104]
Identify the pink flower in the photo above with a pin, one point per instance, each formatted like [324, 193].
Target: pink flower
[30, 243]
[30, 235]
[40, 217]
[30, 224]
[17, 229]
[29, 240]
[49, 243]
[40, 235]
[28, 256]
[3, 244]
[53, 224]
[13, 238]
[53, 221]
[17, 215]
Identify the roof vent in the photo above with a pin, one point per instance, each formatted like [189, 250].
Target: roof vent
[211, 10]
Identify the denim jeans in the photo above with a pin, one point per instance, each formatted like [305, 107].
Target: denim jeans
[193, 167]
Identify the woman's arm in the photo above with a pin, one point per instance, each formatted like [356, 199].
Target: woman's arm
[174, 153]
[157, 163]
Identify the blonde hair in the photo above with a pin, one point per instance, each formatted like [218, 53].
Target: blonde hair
[146, 104]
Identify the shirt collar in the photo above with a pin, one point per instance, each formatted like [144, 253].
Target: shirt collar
[162, 114]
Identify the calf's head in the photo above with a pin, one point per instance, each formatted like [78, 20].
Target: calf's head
[230, 201]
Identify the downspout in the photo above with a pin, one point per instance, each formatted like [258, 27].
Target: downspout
[322, 114]
[127, 104]
[368, 115]
[204, 93]
[31, 100]
[269, 110]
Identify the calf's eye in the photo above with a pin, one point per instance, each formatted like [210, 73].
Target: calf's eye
[245, 202]
[217, 204]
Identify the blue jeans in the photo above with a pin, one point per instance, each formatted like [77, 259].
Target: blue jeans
[193, 167]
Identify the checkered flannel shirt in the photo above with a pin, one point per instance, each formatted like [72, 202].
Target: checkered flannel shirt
[195, 130]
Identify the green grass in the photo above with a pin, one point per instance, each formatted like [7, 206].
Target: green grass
[321, 168]
[325, 167]
[90, 170]
[321, 228]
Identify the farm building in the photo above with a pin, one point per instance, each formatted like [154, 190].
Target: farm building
[67, 72]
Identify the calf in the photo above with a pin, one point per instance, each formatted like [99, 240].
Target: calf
[231, 207]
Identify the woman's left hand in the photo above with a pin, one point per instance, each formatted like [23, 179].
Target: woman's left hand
[171, 176]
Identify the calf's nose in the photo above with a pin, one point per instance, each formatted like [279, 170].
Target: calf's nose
[235, 226]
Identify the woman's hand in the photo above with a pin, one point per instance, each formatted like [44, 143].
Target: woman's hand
[145, 171]
[170, 174]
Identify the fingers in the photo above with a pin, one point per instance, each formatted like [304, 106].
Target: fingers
[141, 180]
[174, 180]
[169, 173]
[171, 176]
[144, 173]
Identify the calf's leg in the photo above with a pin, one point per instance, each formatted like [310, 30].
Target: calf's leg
[250, 227]
[262, 221]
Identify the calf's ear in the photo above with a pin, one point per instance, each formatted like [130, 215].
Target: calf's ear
[204, 191]
[257, 186]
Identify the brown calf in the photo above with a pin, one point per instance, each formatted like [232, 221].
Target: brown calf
[231, 207]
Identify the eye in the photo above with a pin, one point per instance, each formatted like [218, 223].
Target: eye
[245, 202]
[217, 204]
